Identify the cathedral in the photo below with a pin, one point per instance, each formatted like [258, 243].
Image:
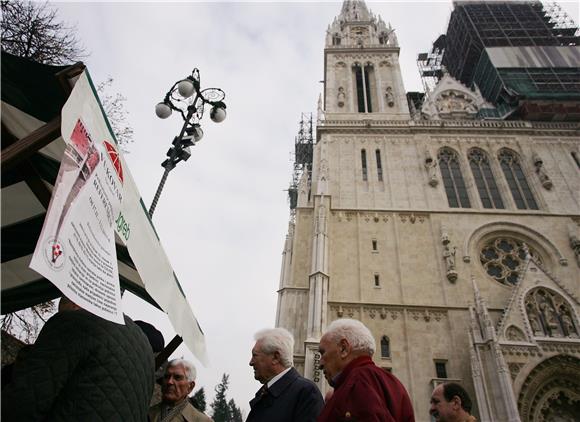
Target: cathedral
[447, 221]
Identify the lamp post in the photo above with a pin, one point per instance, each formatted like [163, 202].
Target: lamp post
[187, 98]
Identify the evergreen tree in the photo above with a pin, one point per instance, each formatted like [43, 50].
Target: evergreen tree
[235, 412]
[220, 407]
[198, 400]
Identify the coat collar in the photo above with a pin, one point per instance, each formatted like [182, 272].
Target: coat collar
[355, 363]
[277, 388]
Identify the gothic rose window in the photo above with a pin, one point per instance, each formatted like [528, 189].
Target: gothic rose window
[453, 179]
[503, 257]
[486, 186]
[516, 179]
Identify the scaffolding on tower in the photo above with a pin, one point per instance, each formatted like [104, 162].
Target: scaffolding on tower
[430, 65]
[302, 158]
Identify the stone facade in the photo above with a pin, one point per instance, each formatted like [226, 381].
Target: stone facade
[374, 237]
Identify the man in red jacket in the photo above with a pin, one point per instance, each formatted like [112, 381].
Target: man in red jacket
[362, 390]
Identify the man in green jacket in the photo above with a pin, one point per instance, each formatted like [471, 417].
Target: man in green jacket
[82, 368]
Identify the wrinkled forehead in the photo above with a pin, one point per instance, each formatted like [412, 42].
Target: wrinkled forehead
[175, 369]
[257, 347]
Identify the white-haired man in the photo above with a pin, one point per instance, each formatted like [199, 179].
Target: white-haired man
[362, 390]
[285, 396]
[178, 382]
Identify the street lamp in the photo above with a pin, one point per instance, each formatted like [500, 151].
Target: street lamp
[186, 97]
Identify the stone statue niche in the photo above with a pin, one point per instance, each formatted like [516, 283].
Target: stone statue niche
[541, 172]
[448, 256]
[341, 97]
[390, 97]
[431, 167]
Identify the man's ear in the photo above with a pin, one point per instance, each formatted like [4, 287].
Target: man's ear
[276, 355]
[344, 347]
[456, 402]
[191, 386]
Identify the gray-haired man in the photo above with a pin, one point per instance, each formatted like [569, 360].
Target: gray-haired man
[285, 396]
[178, 382]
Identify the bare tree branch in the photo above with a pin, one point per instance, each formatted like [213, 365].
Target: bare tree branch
[114, 106]
[32, 30]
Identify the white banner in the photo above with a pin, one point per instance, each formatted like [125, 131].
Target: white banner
[96, 196]
[76, 248]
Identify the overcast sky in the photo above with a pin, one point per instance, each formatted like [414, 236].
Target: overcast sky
[223, 215]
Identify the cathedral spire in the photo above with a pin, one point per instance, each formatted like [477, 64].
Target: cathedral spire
[356, 26]
[354, 11]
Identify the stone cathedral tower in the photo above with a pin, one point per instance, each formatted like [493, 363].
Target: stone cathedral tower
[452, 236]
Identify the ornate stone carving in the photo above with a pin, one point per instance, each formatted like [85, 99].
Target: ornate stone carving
[549, 314]
[412, 218]
[515, 369]
[450, 103]
[341, 97]
[448, 256]
[550, 392]
[513, 333]
[541, 172]
[390, 98]
[316, 366]
[416, 313]
[431, 167]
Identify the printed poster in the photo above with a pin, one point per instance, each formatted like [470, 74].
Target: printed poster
[76, 249]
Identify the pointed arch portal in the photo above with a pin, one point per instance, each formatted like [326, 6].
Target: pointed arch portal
[551, 391]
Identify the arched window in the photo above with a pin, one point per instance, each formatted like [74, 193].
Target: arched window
[379, 165]
[363, 159]
[385, 347]
[453, 179]
[521, 192]
[362, 76]
[484, 180]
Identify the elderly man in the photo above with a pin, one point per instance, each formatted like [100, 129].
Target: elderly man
[362, 390]
[178, 382]
[451, 403]
[82, 368]
[285, 396]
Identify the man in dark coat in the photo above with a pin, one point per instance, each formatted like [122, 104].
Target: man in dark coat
[362, 390]
[285, 396]
[82, 368]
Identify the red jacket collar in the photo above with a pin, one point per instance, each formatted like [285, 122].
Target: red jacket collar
[355, 363]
